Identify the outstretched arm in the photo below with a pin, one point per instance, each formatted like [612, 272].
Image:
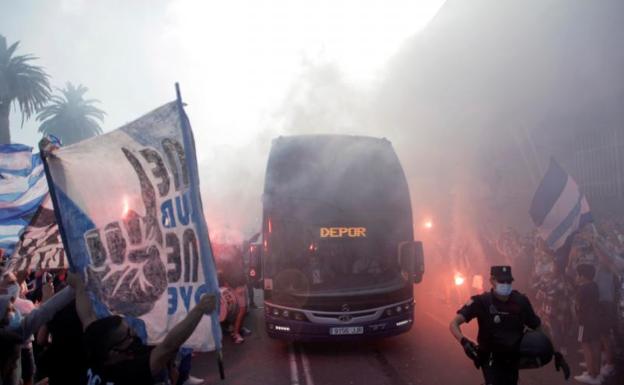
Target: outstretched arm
[84, 308]
[166, 350]
[45, 312]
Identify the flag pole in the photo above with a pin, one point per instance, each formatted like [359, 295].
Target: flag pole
[196, 199]
[44, 153]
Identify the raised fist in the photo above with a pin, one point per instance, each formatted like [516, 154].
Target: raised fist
[126, 266]
[207, 303]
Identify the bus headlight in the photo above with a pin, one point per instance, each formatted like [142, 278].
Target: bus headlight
[398, 309]
[285, 313]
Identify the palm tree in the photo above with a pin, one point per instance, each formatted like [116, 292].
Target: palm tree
[20, 82]
[70, 117]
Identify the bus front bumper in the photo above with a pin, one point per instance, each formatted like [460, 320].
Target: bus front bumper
[291, 330]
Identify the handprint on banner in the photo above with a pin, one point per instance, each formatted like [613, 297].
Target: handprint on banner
[126, 265]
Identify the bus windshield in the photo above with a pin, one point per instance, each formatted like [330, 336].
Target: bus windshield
[335, 210]
[306, 261]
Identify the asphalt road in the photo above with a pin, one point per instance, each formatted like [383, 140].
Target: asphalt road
[427, 354]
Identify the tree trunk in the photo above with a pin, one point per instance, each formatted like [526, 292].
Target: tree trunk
[5, 132]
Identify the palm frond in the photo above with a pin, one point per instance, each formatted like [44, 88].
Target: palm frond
[22, 83]
[70, 116]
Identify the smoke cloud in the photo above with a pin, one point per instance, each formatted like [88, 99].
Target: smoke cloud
[475, 105]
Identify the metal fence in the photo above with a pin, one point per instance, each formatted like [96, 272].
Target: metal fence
[599, 167]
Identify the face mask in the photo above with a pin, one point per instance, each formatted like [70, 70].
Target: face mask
[13, 290]
[15, 320]
[503, 289]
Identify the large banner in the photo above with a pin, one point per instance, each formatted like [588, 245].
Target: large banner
[132, 217]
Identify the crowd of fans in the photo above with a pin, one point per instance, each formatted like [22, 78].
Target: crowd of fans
[46, 316]
[47, 320]
[578, 291]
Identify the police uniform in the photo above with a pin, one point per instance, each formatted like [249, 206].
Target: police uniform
[501, 327]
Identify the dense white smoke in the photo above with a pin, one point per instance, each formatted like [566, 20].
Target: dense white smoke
[474, 106]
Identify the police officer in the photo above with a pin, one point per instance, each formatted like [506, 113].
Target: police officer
[502, 314]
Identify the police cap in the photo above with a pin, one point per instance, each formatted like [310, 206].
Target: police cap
[501, 273]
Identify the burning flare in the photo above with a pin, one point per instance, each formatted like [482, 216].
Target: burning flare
[459, 279]
[126, 207]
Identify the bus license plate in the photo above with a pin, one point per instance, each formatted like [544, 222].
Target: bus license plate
[346, 330]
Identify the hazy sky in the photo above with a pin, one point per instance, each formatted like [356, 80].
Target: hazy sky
[247, 70]
[235, 59]
[476, 103]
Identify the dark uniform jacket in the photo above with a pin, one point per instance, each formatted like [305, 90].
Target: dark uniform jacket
[501, 323]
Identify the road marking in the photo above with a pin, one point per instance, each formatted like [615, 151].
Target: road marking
[306, 367]
[294, 372]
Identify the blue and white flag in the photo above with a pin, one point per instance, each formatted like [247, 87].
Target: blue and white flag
[131, 216]
[23, 188]
[558, 209]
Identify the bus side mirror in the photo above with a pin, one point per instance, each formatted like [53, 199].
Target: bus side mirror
[255, 264]
[412, 259]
